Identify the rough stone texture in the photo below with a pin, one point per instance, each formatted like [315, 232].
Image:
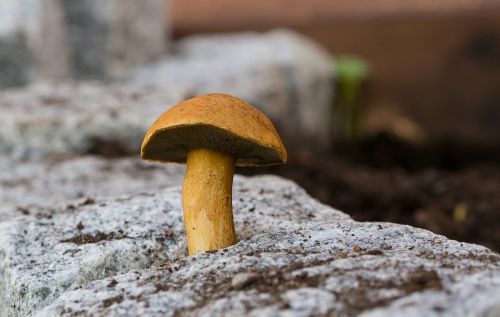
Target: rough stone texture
[295, 257]
[281, 72]
[107, 38]
[32, 186]
[87, 39]
[19, 20]
[79, 118]
[45, 253]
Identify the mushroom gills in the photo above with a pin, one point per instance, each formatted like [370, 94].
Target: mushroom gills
[172, 145]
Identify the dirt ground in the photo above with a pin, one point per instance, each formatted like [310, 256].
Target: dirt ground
[449, 188]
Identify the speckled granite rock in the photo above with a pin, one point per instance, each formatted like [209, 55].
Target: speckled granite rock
[313, 271]
[281, 72]
[107, 38]
[86, 39]
[19, 24]
[79, 118]
[44, 254]
[295, 257]
[32, 186]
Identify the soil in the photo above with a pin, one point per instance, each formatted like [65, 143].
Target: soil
[446, 187]
[96, 237]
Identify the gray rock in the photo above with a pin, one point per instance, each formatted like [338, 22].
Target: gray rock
[286, 75]
[292, 88]
[107, 38]
[295, 257]
[87, 39]
[44, 254]
[79, 118]
[32, 186]
[244, 279]
[19, 20]
[311, 271]
[476, 295]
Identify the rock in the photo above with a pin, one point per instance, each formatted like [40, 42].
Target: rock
[88, 39]
[306, 272]
[462, 299]
[286, 75]
[82, 118]
[46, 253]
[242, 280]
[296, 257]
[30, 187]
[107, 38]
[292, 88]
[19, 22]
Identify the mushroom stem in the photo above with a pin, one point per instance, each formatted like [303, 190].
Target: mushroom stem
[207, 200]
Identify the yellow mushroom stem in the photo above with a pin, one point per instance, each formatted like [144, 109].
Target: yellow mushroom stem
[207, 200]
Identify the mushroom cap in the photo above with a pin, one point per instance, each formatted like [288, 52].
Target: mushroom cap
[219, 122]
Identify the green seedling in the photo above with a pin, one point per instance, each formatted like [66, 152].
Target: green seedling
[350, 73]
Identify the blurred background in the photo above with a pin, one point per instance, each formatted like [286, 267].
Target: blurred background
[390, 109]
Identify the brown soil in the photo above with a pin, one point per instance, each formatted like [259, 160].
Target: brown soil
[96, 237]
[448, 188]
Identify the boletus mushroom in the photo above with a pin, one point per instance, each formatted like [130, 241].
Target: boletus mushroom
[212, 134]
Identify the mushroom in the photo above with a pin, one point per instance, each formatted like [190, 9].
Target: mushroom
[212, 134]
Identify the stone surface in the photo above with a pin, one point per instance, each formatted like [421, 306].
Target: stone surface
[79, 118]
[286, 75]
[293, 88]
[32, 186]
[48, 252]
[296, 257]
[107, 38]
[45, 254]
[19, 20]
[87, 39]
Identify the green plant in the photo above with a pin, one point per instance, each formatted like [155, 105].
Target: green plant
[350, 72]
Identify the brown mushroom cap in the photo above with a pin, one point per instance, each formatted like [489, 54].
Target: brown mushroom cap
[219, 122]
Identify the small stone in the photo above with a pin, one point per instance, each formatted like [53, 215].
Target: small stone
[112, 283]
[80, 226]
[385, 246]
[242, 280]
[375, 252]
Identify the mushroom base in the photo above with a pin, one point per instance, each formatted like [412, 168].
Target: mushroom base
[207, 201]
